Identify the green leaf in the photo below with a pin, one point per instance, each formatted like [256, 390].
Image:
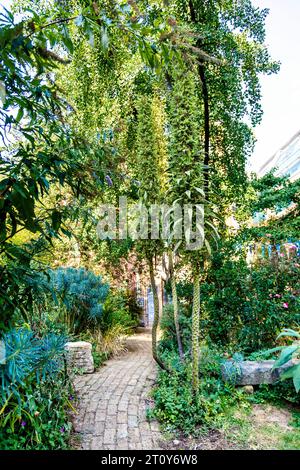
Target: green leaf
[19, 115]
[13, 223]
[286, 355]
[208, 247]
[4, 183]
[214, 229]
[268, 352]
[56, 220]
[289, 373]
[29, 137]
[177, 246]
[288, 332]
[66, 232]
[296, 378]
[201, 191]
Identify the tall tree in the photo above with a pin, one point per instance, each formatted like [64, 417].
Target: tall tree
[233, 32]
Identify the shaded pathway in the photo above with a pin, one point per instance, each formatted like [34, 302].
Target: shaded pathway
[113, 401]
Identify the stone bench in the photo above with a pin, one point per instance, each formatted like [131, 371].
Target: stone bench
[79, 356]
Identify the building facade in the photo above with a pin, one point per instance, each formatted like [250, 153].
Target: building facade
[286, 160]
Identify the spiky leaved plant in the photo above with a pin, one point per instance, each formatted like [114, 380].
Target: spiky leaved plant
[150, 172]
[186, 184]
[34, 388]
[82, 295]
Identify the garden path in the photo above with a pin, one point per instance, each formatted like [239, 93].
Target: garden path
[113, 401]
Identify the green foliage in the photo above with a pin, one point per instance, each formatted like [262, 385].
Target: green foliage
[243, 308]
[287, 354]
[120, 308]
[40, 153]
[184, 166]
[176, 405]
[35, 392]
[40, 420]
[167, 325]
[274, 192]
[248, 307]
[16, 290]
[281, 393]
[234, 33]
[150, 151]
[274, 200]
[232, 368]
[184, 290]
[84, 87]
[98, 357]
[82, 294]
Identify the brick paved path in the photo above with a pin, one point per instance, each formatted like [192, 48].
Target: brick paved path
[113, 401]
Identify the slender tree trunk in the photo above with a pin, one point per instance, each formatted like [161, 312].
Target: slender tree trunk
[205, 93]
[206, 162]
[156, 317]
[196, 333]
[175, 306]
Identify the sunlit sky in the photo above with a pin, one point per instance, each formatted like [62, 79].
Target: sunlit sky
[280, 93]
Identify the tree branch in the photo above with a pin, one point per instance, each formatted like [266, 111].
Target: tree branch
[58, 21]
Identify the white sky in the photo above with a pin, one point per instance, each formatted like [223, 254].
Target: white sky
[6, 3]
[280, 93]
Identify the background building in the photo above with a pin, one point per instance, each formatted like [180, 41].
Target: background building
[286, 160]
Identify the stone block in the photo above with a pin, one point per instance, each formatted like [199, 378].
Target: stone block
[79, 356]
[252, 372]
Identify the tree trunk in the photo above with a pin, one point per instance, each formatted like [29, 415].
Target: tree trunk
[195, 333]
[175, 306]
[201, 70]
[206, 162]
[156, 317]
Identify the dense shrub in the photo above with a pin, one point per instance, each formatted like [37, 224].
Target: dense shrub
[184, 291]
[169, 340]
[120, 308]
[248, 307]
[82, 295]
[20, 284]
[243, 308]
[121, 314]
[279, 393]
[35, 392]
